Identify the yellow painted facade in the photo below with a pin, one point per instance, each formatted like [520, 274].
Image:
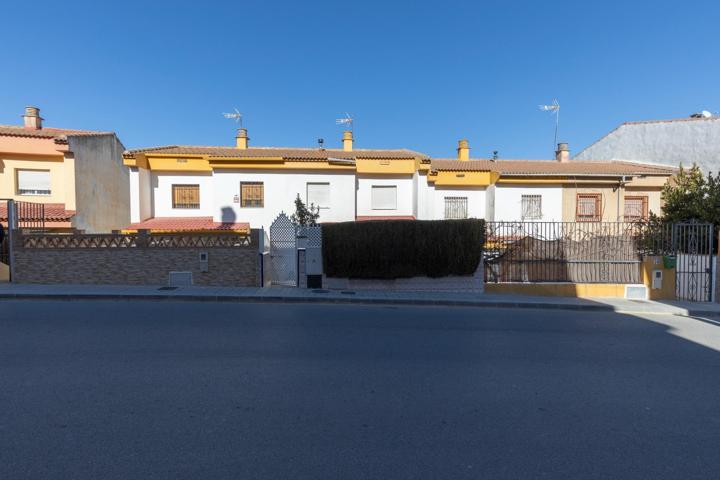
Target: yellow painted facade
[667, 289]
[454, 179]
[62, 177]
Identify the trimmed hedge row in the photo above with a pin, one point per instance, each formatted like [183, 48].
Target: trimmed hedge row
[387, 249]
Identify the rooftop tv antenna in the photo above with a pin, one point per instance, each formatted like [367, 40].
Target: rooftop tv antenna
[553, 108]
[237, 116]
[347, 120]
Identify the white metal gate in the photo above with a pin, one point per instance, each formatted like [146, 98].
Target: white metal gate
[283, 252]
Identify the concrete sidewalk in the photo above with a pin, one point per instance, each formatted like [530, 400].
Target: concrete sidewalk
[381, 297]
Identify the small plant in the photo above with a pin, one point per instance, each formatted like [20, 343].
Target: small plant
[305, 216]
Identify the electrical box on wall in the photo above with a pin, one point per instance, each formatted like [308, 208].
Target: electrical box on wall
[203, 261]
[657, 276]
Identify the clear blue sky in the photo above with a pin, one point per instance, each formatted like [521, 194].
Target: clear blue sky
[414, 74]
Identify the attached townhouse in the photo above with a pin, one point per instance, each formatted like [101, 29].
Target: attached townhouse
[77, 175]
[187, 188]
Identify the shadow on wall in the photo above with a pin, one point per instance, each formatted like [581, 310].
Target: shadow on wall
[228, 215]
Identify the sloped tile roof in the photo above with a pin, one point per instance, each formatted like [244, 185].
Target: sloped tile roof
[551, 167]
[46, 132]
[54, 212]
[188, 224]
[301, 154]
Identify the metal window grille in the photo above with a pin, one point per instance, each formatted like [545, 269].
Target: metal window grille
[636, 208]
[531, 207]
[456, 207]
[186, 196]
[252, 194]
[589, 207]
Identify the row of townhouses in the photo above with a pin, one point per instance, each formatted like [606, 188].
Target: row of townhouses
[88, 181]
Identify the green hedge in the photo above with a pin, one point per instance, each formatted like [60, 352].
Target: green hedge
[387, 249]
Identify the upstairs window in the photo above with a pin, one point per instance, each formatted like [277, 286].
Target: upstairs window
[318, 194]
[589, 207]
[186, 196]
[383, 197]
[636, 208]
[33, 182]
[252, 194]
[531, 207]
[456, 207]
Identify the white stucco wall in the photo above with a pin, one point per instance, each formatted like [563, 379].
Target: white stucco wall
[476, 201]
[405, 195]
[508, 202]
[280, 192]
[162, 194]
[220, 193]
[140, 195]
[668, 143]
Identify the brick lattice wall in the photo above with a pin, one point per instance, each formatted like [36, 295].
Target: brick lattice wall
[137, 265]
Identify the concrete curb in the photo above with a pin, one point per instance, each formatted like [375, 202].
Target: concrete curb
[347, 300]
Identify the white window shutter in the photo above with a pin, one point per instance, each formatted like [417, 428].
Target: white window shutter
[318, 194]
[384, 197]
[33, 182]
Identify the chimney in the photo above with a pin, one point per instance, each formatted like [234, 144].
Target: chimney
[563, 153]
[463, 150]
[347, 140]
[241, 138]
[32, 118]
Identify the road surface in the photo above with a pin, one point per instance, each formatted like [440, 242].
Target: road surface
[143, 390]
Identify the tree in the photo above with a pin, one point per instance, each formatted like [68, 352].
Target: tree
[305, 216]
[692, 196]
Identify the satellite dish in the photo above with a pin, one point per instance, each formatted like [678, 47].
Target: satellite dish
[706, 114]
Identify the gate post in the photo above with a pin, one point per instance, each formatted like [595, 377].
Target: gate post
[12, 226]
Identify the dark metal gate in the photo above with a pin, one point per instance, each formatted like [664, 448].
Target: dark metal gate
[692, 244]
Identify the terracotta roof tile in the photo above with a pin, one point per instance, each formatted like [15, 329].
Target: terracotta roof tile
[46, 132]
[188, 224]
[54, 212]
[552, 167]
[302, 154]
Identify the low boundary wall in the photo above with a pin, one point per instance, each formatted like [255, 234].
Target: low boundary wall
[136, 259]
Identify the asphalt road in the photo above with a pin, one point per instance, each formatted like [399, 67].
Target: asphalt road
[140, 390]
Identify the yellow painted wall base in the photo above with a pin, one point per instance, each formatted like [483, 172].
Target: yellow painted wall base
[580, 290]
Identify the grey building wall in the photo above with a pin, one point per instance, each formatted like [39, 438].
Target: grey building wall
[102, 183]
[671, 142]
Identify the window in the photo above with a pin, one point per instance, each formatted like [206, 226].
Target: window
[531, 207]
[383, 197]
[33, 182]
[318, 194]
[252, 194]
[589, 207]
[456, 207]
[636, 208]
[186, 196]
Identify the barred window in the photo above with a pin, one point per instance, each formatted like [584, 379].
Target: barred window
[636, 208]
[186, 196]
[456, 207]
[589, 207]
[531, 207]
[252, 194]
